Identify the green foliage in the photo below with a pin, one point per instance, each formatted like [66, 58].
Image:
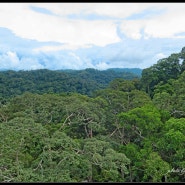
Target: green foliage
[122, 85]
[22, 140]
[139, 123]
[94, 126]
[171, 96]
[60, 160]
[164, 70]
[107, 165]
[155, 168]
[42, 81]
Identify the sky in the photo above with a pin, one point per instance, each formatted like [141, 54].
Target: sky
[89, 35]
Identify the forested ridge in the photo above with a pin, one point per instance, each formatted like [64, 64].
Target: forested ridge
[92, 127]
[41, 81]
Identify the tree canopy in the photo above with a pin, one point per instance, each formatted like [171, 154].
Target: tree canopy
[92, 126]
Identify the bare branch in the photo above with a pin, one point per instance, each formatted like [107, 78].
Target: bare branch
[68, 118]
[138, 132]
[38, 165]
[113, 132]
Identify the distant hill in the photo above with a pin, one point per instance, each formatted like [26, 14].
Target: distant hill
[136, 71]
[41, 81]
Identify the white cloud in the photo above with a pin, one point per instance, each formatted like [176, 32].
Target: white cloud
[160, 56]
[13, 58]
[29, 24]
[132, 28]
[29, 64]
[10, 60]
[164, 25]
[58, 48]
[119, 35]
[102, 66]
[119, 10]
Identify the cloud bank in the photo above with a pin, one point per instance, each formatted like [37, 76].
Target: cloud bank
[89, 35]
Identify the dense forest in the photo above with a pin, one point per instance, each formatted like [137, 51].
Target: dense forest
[94, 126]
[41, 81]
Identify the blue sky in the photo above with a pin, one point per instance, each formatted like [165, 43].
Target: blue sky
[89, 35]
